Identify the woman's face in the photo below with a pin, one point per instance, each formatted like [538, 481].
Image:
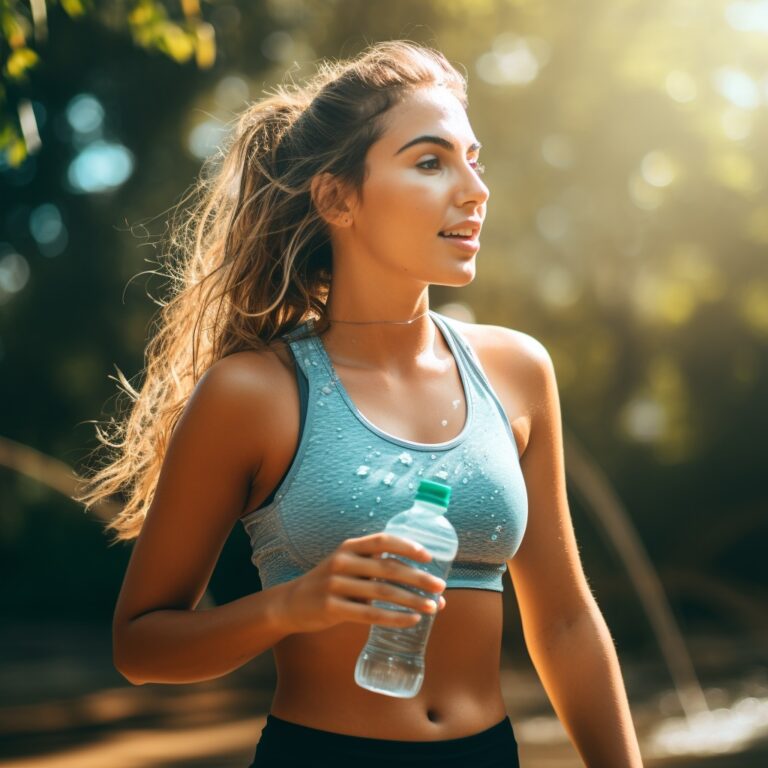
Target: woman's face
[415, 188]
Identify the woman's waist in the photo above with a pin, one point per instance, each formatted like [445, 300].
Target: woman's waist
[441, 710]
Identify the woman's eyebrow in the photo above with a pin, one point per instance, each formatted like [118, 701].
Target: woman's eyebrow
[436, 140]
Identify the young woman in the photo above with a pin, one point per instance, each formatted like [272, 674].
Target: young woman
[299, 384]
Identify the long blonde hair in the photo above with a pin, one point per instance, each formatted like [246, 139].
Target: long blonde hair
[250, 259]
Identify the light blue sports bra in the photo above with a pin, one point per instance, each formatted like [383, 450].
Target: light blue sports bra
[348, 477]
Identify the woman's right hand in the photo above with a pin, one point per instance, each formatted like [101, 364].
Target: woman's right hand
[340, 588]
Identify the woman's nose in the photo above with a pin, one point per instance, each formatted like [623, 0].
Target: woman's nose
[473, 189]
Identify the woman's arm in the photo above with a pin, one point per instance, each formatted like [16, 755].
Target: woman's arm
[565, 633]
[187, 646]
[213, 458]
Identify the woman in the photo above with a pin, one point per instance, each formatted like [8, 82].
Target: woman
[299, 383]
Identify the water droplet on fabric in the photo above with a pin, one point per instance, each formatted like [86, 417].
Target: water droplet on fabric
[496, 490]
[432, 456]
[363, 470]
[493, 514]
[410, 486]
[465, 481]
[338, 429]
[499, 527]
[405, 458]
[342, 512]
[340, 482]
[378, 499]
[389, 478]
[370, 514]
[307, 361]
[354, 495]
[321, 402]
[357, 506]
[442, 474]
[420, 472]
[494, 537]
[314, 362]
[326, 390]
[377, 453]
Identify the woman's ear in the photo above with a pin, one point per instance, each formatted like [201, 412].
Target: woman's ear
[327, 195]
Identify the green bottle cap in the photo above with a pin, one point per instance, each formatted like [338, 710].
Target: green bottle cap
[434, 493]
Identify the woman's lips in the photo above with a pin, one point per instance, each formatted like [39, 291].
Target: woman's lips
[465, 243]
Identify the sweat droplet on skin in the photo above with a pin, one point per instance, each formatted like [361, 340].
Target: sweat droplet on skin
[444, 422]
[455, 403]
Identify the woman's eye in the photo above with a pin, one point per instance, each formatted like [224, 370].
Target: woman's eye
[478, 166]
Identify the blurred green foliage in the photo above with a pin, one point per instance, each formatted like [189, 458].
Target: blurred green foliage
[627, 230]
[149, 25]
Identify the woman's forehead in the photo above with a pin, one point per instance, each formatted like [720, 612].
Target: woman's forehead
[427, 111]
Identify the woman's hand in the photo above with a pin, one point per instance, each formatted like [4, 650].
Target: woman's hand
[339, 588]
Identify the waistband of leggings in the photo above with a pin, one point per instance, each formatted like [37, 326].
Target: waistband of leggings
[496, 734]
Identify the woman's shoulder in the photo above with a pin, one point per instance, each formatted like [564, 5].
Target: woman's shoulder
[248, 381]
[518, 367]
[500, 345]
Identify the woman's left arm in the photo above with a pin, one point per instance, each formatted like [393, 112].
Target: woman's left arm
[565, 633]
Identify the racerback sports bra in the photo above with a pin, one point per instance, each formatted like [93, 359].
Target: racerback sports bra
[348, 477]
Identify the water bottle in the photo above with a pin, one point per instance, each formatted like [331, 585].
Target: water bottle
[392, 661]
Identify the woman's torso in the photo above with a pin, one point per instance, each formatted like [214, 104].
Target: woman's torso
[461, 692]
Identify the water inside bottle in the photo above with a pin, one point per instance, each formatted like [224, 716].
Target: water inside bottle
[392, 660]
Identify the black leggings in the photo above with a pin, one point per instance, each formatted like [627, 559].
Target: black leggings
[287, 744]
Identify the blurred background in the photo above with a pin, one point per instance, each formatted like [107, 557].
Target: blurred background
[625, 149]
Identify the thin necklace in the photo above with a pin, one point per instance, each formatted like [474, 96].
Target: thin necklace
[394, 322]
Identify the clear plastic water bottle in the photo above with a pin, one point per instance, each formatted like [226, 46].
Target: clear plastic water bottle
[392, 661]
